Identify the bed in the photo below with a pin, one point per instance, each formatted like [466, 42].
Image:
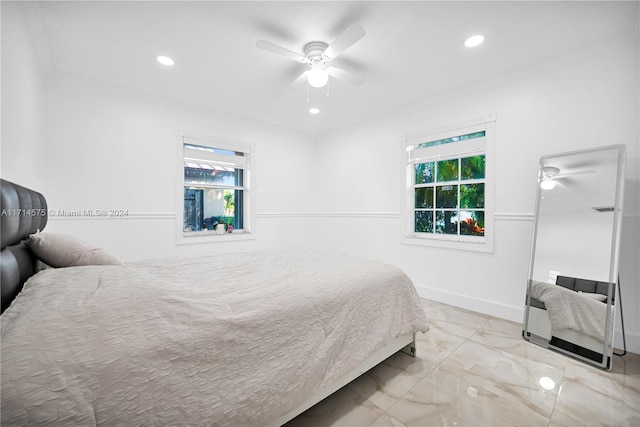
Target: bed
[245, 339]
[571, 314]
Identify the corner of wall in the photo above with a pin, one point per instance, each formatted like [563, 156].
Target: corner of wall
[22, 117]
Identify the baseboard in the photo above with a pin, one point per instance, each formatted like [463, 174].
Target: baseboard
[514, 314]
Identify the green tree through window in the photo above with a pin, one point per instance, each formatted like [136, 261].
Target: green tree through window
[449, 194]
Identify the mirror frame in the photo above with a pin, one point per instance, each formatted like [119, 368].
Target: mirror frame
[613, 277]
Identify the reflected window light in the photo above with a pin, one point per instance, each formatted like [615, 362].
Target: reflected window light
[547, 383]
[472, 391]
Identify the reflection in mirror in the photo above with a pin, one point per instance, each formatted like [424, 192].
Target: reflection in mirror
[573, 271]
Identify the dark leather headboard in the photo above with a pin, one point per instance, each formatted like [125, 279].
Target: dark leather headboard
[23, 212]
[585, 285]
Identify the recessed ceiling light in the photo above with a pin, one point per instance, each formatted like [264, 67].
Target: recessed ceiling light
[314, 110]
[165, 60]
[474, 41]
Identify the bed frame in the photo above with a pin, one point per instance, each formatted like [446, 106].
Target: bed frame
[24, 212]
[405, 343]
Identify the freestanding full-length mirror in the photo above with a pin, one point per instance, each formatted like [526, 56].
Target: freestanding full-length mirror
[571, 290]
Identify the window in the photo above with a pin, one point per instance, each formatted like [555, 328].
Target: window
[448, 188]
[215, 188]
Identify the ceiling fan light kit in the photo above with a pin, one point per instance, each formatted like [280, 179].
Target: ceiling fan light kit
[548, 184]
[549, 175]
[317, 54]
[317, 76]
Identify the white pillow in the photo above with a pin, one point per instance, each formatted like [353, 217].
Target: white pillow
[63, 250]
[597, 297]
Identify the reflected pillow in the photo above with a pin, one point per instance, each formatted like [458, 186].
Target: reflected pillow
[597, 297]
[63, 250]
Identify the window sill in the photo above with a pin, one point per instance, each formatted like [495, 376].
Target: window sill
[208, 237]
[486, 246]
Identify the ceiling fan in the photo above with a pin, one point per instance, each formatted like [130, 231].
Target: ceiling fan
[551, 175]
[318, 54]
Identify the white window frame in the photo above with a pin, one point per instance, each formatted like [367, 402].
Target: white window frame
[413, 155]
[208, 236]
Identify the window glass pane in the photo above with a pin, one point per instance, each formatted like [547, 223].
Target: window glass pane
[211, 174]
[448, 170]
[447, 222]
[238, 210]
[424, 173]
[472, 167]
[424, 197]
[213, 150]
[472, 223]
[447, 196]
[239, 178]
[424, 222]
[204, 208]
[452, 139]
[472, 196]
[192, 209]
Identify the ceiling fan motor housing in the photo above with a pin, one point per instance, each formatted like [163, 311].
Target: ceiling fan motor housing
[314, 50]
[550, 171]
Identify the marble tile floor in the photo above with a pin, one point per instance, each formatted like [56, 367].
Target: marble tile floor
[476, 370]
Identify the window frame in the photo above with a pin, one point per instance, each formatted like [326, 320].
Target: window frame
[413, 154]
[210, 236]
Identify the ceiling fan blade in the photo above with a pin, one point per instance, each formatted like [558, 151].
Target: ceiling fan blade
[567, 183]
[584, 172]
[301, 78]
[279, 50]
[344, 41]
[347, 76]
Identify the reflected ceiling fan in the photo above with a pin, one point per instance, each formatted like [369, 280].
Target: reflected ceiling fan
[318, 54]
[551, 175]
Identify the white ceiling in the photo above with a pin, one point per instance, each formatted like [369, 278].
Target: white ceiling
[412, 51]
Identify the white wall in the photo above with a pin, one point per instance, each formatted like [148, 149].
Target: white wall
[574, 245]
[22, 100]
[587, 100]
[93, 145]
[109, 147]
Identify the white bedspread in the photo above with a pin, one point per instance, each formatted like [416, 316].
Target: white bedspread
[568, 309]
[224, 340]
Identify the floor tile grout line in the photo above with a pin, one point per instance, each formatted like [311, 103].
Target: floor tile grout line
[432, 369]
[555, 401]
[478, 385]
